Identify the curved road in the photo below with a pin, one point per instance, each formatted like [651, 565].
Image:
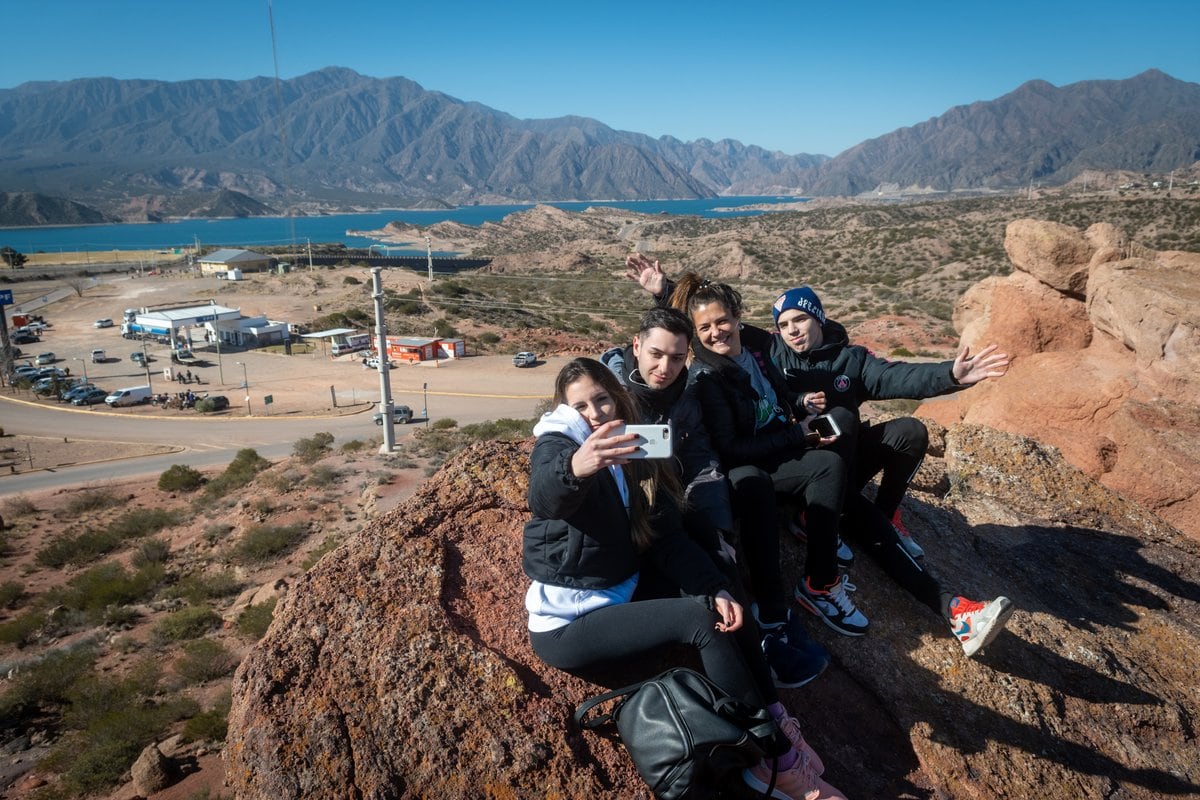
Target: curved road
[211, 441]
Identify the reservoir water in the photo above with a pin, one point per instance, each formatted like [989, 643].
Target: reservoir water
[266, 231]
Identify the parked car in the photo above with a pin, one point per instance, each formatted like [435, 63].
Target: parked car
[373, 363]
[77, 389]
[524, 359]
[98, 356]
[129, 397]
[90, 397]
[401, 415]
[45, 358]
[27, 371]
[51, 372]
[24, 337]
[138, 357]
[103, 323]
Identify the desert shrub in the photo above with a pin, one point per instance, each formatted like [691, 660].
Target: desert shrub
[19, 506]
[445, 423]
[106, 585]
[154, 551]
[262, 505]
[245, 465]
[216, 532]
[142, 522]
[10, 593]
[209, 725]
[42, 685]
[322, 475]
[113, 721]
[261, 542]
[255, 619]
[204, 660]
[92, 500]
[312, 448]
[81, 549]
[902, 352]
[22, 629]
[350, 280]
[201, 587]
[180, 478]
[488, 337]
[315, 555]
[190, 622]
[205, 405]
[353, 446]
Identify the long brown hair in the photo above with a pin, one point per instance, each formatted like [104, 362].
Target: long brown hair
[692, 291]
[651, 475]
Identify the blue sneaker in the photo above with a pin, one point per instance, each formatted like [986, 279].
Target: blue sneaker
[793, 633]
[794, 658]
[790, 666]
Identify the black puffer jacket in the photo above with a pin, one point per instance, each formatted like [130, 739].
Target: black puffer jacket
[728, 401]
[579, 535]
[850, 375]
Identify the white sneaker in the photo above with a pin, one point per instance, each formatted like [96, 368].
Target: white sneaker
[975, 624]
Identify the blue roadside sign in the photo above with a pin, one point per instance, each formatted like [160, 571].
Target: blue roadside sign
[5, 297]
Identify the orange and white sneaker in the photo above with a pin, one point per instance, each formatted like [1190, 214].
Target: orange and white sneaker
[906, 540]
[975, 624]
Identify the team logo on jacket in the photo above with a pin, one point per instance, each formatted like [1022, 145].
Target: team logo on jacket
[841, 383]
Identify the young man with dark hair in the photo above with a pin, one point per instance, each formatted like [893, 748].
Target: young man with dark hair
[654, 369]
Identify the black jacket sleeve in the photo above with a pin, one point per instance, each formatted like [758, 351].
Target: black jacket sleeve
[890, 380]
[554, 491]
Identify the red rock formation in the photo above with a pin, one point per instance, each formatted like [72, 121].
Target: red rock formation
[399, 666]
[1107, 360]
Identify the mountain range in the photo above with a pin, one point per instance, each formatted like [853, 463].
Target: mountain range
[335, 139]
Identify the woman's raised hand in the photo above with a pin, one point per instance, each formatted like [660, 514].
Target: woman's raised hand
[602, 450]
[646, 272]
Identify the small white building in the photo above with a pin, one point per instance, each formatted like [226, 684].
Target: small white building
[226, 261]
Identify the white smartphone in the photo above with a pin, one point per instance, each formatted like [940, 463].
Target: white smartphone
[825, 425]
[654, 440]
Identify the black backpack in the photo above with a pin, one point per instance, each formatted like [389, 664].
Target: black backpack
[684, 734]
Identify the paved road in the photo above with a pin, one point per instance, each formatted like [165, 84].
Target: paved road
[213, 440]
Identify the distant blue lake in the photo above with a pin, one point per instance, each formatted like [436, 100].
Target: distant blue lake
[264, 231]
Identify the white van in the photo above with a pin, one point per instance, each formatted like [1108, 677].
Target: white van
[98, 356]
[129, 397]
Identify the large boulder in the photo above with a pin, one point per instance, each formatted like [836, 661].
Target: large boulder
[399, 666]
[1110, 377]
[1056, 254]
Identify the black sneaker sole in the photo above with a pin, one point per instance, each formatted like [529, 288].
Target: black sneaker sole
[779, 684]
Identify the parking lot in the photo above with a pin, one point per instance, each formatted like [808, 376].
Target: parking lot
[475, 388]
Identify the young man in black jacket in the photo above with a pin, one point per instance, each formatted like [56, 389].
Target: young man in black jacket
[654, 369]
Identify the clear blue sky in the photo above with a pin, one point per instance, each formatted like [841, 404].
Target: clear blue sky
[794, 75]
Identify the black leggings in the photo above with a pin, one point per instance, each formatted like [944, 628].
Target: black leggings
[620, 632]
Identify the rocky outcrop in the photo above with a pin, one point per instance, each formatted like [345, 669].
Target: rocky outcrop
[1105, 339]
[399, 665]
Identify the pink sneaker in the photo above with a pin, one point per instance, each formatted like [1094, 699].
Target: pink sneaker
[797, 783]
[791, 729]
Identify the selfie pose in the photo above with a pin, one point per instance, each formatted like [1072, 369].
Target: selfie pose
[597, 515]
[654, 370]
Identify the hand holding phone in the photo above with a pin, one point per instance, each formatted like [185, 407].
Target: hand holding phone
[654, 441]
[825, 425]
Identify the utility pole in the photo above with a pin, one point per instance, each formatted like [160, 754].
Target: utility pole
[310, 266]
[429, 256]
[385, 388]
